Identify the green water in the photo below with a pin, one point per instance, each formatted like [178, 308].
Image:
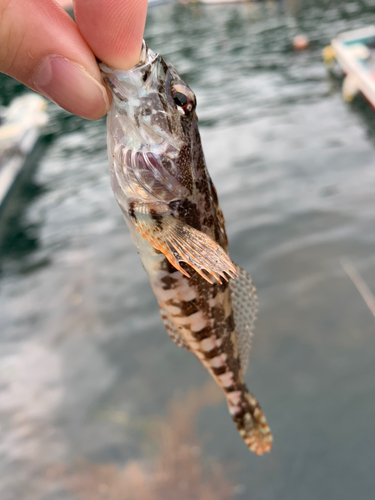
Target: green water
[86, 366]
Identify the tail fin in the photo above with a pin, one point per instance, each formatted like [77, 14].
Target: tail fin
[252, 424]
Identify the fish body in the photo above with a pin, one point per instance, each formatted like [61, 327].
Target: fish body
[160, 180]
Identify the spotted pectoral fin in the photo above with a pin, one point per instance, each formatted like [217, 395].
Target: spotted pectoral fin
[245, 307]
[180, 242]
[172, 330]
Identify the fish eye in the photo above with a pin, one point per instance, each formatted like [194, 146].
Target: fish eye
[184, 99]
[180, 99]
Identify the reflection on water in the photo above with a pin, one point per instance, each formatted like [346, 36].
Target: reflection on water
[85, 363]
[173, 467]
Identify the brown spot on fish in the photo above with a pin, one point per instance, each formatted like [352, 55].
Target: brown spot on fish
[217, 232]
[219, 370]
[213, 353]
[204, 333]
[157, 218]
[231, 388]
[229, 322]
[136, 119]
[209, 221]
[187, 307]
[188, 212]
[131, 210]
[239, 416]
[168, 281]
[146, 111]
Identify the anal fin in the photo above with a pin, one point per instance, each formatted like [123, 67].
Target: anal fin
[172, 330]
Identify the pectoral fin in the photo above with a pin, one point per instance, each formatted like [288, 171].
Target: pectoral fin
[180, 242]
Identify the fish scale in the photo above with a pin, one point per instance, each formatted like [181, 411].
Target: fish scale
[160, 180]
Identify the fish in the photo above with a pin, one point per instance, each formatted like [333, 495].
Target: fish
[160, 180]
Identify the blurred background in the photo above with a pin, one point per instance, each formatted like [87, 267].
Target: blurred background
[96, 402]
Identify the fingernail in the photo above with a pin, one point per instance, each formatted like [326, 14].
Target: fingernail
[70, 86]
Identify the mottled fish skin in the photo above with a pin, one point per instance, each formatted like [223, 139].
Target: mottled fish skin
[160, 180]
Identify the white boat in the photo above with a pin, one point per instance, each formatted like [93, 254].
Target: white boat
[355, 53]
[20, 127]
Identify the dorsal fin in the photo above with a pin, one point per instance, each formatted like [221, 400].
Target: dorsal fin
[245, 307]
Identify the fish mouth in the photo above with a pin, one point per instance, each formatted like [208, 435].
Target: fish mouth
[147, 56]
[147, 59]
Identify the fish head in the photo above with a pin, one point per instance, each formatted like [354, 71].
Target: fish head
[151, 125]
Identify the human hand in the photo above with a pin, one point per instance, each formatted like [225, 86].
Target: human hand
[42, 47]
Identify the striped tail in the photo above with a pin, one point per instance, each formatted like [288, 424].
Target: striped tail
[250, 422]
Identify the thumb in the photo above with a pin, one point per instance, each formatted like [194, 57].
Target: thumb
[41, 47]
[113, 29]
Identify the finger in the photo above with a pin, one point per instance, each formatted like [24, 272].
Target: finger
[113, 29]
[41, 46]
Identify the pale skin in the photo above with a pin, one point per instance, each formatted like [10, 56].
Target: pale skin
[42, 47]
